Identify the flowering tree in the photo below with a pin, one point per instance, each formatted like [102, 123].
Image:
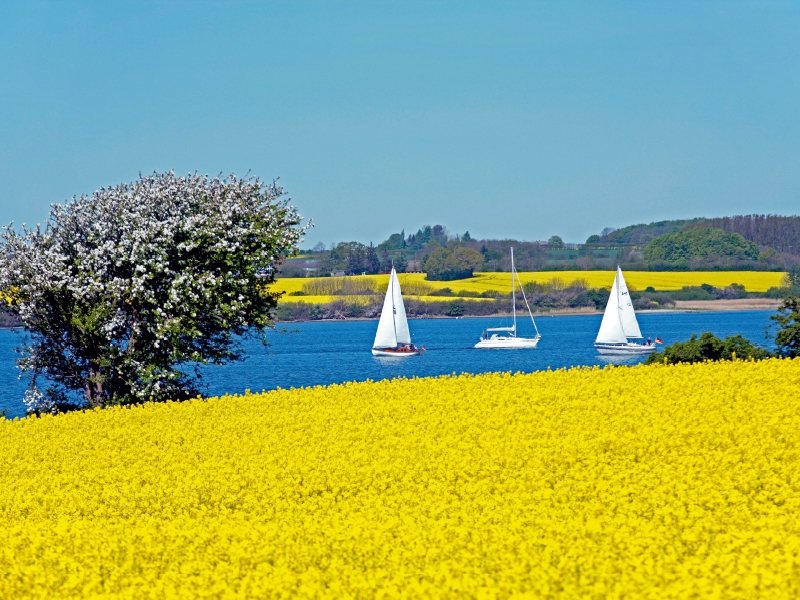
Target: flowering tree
[126, 291]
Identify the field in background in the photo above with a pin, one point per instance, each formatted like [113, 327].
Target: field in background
[414, 284]
[642, 482]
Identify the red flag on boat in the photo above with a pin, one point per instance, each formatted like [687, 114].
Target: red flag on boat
[659, 341]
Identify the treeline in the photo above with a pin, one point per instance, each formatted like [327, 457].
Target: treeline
[780, 233]
[749, 242]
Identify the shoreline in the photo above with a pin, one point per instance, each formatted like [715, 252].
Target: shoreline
[681, 306]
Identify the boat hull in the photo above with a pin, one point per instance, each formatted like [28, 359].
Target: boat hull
[395, 352]
[629, 349]
[501, 342]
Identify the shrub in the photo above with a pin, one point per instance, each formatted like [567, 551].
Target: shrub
[708, 347]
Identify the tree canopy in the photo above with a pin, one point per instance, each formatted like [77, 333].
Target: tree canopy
[126, 291]
[788, 320]
[700, 243]
[446, 265]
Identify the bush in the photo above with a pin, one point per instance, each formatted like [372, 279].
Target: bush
[455, 309]
[708, 347]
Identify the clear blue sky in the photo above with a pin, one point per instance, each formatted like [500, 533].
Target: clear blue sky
[515, 120]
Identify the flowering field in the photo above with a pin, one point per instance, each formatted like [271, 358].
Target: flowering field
[415, 283]
[650, 482]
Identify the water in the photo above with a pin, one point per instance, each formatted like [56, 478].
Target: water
[321, 353]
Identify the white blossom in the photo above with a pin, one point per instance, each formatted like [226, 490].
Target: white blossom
[125, 285]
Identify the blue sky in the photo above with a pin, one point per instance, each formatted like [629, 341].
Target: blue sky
[519, 120]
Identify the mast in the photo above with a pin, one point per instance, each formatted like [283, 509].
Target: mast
[394, 308]
[513, 291]
[619, 301]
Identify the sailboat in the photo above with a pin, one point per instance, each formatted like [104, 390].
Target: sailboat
[506, 337]
[393, 337]
[619, 323]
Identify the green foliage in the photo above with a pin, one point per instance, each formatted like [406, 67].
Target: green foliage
[788, 320]
[700, 244]
[555, 241]
[396, 241]
[642, 234]
[593, 239]
[427, 234]
[708, 347]
[447, 265]
[792, 280]
[455, 309]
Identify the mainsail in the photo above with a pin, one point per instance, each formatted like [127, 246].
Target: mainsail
[619, 320]
[393, 326]
[627, 315]
[400, 320]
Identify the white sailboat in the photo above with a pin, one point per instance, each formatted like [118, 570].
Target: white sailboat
[506, 337]
[393, 337]
[619, 323]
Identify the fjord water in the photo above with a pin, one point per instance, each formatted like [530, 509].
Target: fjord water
[321, 353]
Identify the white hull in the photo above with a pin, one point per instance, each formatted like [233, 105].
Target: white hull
[628, 349]
[507, 343]
[394, 353]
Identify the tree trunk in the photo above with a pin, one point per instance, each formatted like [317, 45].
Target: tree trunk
[94, 386]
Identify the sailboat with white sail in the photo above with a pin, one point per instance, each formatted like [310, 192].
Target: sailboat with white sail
[393, 337]
[619, 323]
[506, 337]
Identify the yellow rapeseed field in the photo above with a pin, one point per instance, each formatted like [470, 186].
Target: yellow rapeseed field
[644, 482]
[754, 281]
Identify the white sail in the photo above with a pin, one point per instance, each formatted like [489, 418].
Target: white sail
[611, 331]
[386, 336]
[627, 315]
[403, 335]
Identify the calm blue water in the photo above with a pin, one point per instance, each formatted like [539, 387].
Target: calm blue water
[333, 352]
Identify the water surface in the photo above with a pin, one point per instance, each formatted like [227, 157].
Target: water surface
[320, 353]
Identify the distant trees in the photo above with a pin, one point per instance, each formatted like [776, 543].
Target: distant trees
[700, 245]
[396, 241]
[426, 234]
[778, 232]
[447, 265]
[683, 244]
[353, 258]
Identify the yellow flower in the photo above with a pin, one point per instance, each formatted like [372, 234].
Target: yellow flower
[648, 482]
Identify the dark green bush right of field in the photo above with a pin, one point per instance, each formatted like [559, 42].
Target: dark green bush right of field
[708, 347]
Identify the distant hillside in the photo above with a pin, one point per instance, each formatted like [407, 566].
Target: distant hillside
[641, 235]
[780, 233]
[774, 231]
[749, 242]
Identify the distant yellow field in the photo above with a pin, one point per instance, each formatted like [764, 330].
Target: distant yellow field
[368, 299]
[414, 284]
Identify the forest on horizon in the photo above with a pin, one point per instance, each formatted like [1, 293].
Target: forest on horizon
[742, 242]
